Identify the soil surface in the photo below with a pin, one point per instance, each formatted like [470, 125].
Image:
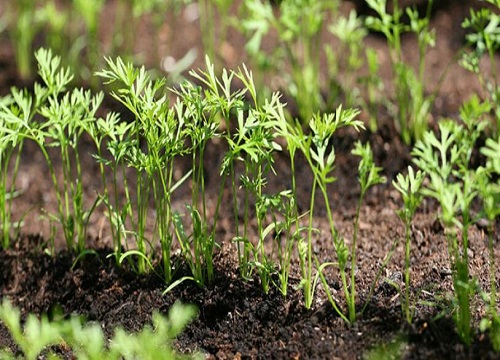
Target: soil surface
[236, 319]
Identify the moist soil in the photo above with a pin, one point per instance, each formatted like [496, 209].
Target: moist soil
[236, 320]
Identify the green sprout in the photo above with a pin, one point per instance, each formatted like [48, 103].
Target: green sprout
[368, 176]
[484, 26]
[413, 105]
[202, 110]
[489, 192]
[298, 25]
[11, 144]
[453, 184]
[22, 32]
[87, 341]
[66, 116]
[410, 188]
[162, 131]
[320, 157]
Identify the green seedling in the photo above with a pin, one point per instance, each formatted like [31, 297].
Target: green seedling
[484, 27]
[347, 59]
[409, 85]
[374, 87]
[87, 341]
[11, 144]
[446, 160]
[254, 144]
[369, 175]
[320, 157]
[34, 337]
[162, 132]
[201, 125]
[489, 192]
[410, 188]
[293, 136]
[298, 25]
[203, 111]
[284, 217]
[65, 116]
[22, 30]
[66, 119]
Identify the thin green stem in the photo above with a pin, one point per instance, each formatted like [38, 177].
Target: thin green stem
[407, 270]
[308, 296]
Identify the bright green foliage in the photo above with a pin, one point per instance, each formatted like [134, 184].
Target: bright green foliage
[368, 176]
[320, 156]
[409, 85]
[202, 110]
[489, 192]
[11, 144]
[446, 161]
[161, 130]
[410, 188]
[253, 143]
[87, 341]
[65, 116]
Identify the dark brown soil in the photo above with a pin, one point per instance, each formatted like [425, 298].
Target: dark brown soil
[236, 319]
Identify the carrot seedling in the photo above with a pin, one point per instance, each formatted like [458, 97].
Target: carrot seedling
[410, 188]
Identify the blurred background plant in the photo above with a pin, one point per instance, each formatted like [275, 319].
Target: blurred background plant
[315, 52]
[77, 32]
[298, 25]
[412, 103]
[484, 37]
[346, 59]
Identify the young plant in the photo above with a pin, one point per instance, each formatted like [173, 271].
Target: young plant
[368, 176]
[202, 111]
[489, 192]
[158, 127]
[11, 144]
[298, 25]
[64, 118]
[345, 61]
[87, 341]
[294, 137]
[110, 132]
[22, 30]
[67, 120]
[409, 85]
[484, 25]
[446, 161]
[320, 156]
[410, 188]
[254, 144]
[283, 212]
